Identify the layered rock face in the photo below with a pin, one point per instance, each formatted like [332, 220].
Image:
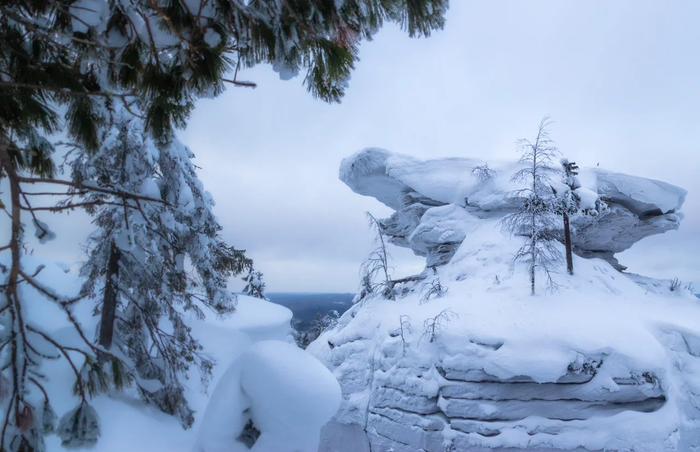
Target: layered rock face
[478, 404]
[467, 391]
[639, 207]
[611, 362]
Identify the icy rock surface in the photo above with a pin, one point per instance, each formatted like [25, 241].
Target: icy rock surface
[419, 192]
[611, 362]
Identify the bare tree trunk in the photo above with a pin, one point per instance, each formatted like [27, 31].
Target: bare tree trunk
[567, 244]
[533, 238]
[384, 258]
[532, 266]
[109, 302]
[533, 251]
[11, 292]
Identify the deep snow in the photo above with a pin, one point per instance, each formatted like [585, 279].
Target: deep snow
[255, 338]
[609, 362]
[600, 318]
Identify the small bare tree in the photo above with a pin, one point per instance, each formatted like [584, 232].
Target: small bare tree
[483, 173]
[375, 269]
[674, 284]
[432, 289]
[536, 219]
[403, 330]
[690, 288]
[434, 325]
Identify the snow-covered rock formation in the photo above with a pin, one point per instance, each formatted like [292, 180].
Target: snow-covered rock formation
[426, 196]
[611, 362]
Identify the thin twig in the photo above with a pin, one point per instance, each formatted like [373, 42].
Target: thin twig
[65, 91]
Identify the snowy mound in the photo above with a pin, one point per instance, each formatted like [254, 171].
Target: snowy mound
[255, 338]
[284, 391]
[610, 362]
[639, 207]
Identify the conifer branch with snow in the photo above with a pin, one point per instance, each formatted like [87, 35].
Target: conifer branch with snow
[75, 68]
[321, 323]
[569, 204]
[255, 287]
[154, 261]
[24, 346]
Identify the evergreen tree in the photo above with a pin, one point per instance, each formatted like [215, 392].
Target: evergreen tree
[254, 287]
[320, 324]
[366, 288]
[568, 204]
[154, 59]
[168, 54]
[140, 254]
[535, 219]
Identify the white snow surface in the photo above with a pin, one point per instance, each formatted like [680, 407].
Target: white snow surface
[500, 333]
[609, 362]
[292, 396]
[638, 207]
[388, 176]
[255, 339]
[287, 393]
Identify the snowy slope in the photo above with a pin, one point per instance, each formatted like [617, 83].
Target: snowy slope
[610, 362]
[252, 339]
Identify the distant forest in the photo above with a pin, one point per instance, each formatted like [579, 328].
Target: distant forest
[306, 306]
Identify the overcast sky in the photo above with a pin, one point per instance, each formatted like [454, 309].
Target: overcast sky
[621, 80]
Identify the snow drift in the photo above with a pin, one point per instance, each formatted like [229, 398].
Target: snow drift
[611, 362]
[286, 393]
[259, 374]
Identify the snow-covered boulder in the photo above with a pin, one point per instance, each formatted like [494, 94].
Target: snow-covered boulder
[610, 362]
[639, 207]
[285, 393]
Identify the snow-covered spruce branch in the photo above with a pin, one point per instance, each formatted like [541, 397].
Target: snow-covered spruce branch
[568, 203]
[254, 284]
[23, 362]
[76, 71]
[321, 40]
[321, 324]
[153, 263]
[63, 92]
[86, 189]
[61, 301]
